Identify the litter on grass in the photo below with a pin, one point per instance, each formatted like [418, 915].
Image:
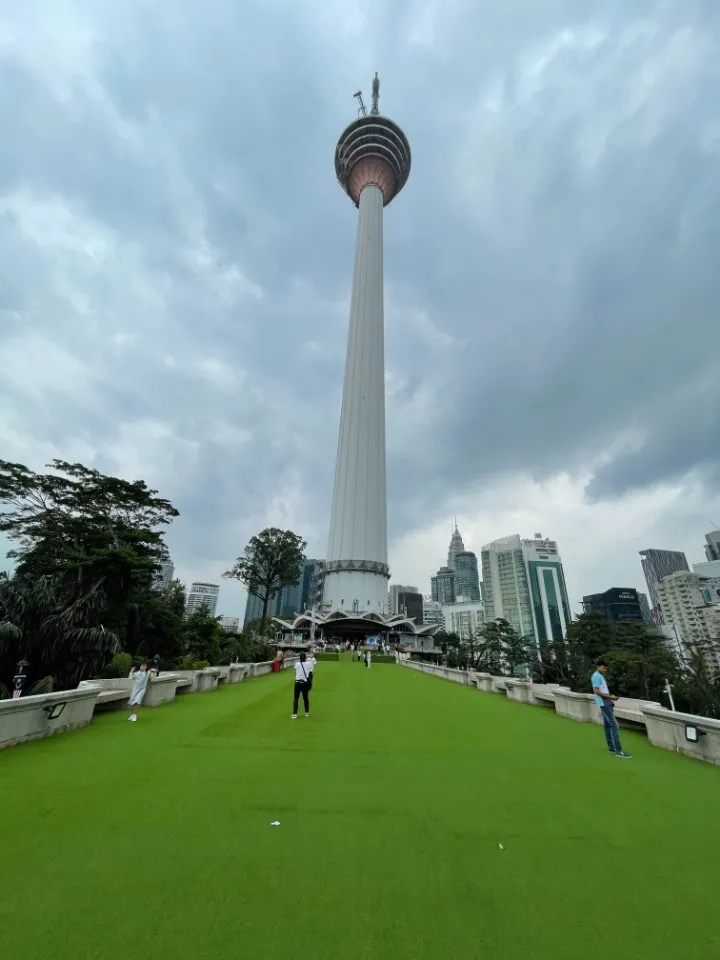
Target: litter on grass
[501, 846]
[275, 823]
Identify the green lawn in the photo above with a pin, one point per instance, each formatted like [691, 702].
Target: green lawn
[153, 840]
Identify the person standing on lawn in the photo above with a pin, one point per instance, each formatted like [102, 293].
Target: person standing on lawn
[139, 687]
[302, 687]
[606, 702]
[310, 666]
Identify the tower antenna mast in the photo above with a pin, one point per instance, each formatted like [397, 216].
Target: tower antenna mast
[362, 109]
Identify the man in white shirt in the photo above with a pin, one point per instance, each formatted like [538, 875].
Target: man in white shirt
[606, 702]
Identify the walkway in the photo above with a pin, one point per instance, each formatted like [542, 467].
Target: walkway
[419, 819]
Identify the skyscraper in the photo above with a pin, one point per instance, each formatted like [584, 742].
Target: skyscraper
[442, 585]
[712, 545]
[467, 579]
[164, 575]
[657, 564]
[456, 547]
[372, 163]
[202, 595]
[394, 605]
[525, 584]
[617, 603]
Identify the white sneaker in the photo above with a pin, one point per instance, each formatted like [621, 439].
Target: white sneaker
[293, 716]
[132, 717]
[307, 715]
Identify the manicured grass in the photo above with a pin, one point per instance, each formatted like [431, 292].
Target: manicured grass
[153, 840]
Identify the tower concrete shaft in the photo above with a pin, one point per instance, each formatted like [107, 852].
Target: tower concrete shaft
[358, 522]
[372, 162]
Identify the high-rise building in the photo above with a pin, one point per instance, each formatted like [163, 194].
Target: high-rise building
[433, 612]
[617, 603]
[410, 604]
[164, 575]
[467, 579]
[710, 574]
[712, 545]
[645, 607]
[656, 565]
[372, 164]
[686, 605]
[465, 618]
[292, 599]
[202, 595]
[442, 586]
[395, 590]
[230, 624]
[524, 584]
[456, 546]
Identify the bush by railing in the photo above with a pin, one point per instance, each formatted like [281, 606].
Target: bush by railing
[334, 657]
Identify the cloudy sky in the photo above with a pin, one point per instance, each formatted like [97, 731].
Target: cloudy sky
[175, 261]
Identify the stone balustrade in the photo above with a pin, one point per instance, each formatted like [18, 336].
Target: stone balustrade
[673, 731]
[45, 714]
[34, 717]
[664, 727]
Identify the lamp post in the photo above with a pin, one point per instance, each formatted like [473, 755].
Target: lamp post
[668, 690]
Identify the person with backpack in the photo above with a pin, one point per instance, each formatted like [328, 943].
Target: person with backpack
[302, 687]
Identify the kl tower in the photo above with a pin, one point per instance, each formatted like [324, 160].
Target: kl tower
[372, 163]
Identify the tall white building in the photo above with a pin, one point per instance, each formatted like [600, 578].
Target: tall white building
[433, 612]
[372, 164]
[465, 618]
[524, 583]
[202, 595]
[230, 624]
[712, 545]
[710, 573]
[656, 565]
[685, 604]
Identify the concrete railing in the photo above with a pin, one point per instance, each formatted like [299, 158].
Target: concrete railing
[34, 717]
[447, 673]
[664, 727]
[697, 737]
[45, 714]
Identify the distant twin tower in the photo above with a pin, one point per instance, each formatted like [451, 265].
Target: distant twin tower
[372, 163]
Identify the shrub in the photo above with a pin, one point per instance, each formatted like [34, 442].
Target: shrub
[119, 666]
[334, 657]
[190, 663]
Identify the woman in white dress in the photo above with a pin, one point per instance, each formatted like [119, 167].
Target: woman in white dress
[139, 687]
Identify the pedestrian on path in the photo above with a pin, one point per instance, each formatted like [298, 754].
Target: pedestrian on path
[310, 667]
[606, 701]
[139, 687]
[368, 659]
[302, 687]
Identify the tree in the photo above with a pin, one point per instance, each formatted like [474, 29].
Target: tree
[201, 636]
[490, 655]
[59, 636]
[272, 560]
[93, 543]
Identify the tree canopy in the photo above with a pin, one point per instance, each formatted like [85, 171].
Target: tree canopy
[272, 560]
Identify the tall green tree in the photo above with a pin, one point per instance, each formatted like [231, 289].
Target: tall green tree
[491, 649]
[272, 560]
[201, 636]
[94, 542]
[59, 636]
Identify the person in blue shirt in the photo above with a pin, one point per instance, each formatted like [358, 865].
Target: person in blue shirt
[606, 702]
